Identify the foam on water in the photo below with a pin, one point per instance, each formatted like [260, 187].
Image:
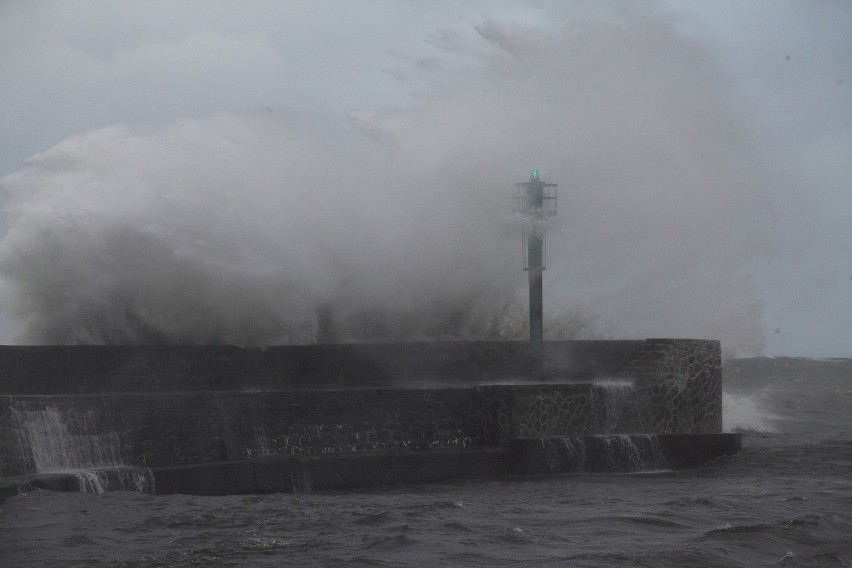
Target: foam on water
[93, 457]
[744, 413]
[55, 447]
[90, 481]
[634, 452]
[608, 453]
[615, 401]
[101, 480]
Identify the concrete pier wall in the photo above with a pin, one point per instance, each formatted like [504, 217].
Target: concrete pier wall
[166, 407]
[87, 369]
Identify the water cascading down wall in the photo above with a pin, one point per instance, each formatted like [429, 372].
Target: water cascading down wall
[216, 420]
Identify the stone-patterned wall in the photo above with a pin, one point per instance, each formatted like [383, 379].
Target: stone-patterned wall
[321, 422]
[575, 410]
[553, 411]
[671, 386]
[679, 386]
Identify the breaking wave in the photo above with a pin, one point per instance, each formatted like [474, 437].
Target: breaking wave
[744, 413]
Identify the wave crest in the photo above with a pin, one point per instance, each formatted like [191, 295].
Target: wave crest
[743, 413]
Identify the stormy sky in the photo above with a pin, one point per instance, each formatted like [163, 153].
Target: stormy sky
[267, 172]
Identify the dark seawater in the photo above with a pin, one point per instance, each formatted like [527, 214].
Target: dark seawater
[786, 500]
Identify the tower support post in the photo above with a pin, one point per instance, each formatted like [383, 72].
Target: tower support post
[536, 323]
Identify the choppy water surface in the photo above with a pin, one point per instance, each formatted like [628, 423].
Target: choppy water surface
[786, 500]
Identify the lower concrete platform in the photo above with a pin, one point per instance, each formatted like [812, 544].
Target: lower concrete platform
[11, 486]
[95, 480]
[321, 472]
[349, 470]
[619, 453]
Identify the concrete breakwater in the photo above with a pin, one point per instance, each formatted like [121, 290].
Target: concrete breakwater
[213, 420]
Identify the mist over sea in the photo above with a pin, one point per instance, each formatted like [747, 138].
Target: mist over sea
[785, 500]
[262, 227]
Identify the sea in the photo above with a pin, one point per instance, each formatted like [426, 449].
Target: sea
[785, 500]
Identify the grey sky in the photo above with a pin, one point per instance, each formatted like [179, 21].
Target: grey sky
[782, 68]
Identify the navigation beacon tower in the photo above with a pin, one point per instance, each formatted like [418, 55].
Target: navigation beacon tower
[536, 201]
